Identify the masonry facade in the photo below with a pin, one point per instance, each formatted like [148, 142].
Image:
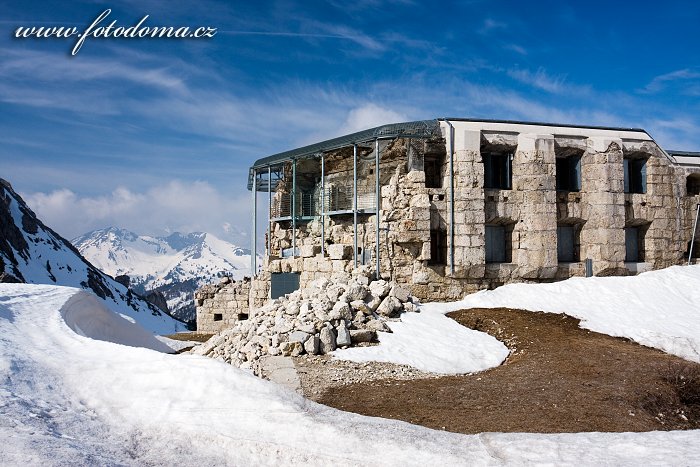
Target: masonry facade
[448, 207]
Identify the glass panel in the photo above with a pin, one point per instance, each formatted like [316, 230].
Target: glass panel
[495, 244]
[632, 244]
[565, 243]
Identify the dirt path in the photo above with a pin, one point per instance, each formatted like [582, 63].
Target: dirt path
[559, 378]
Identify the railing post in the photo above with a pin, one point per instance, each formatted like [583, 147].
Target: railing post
[269, 209]
[323, 205]
[354, 204]
[253, 256]
[294, 208]
[378, 200]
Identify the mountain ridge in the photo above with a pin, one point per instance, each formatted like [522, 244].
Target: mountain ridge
[175, 265]
[31, 252]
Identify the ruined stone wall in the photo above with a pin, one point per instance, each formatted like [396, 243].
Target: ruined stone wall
[220, 306]
[532, 210]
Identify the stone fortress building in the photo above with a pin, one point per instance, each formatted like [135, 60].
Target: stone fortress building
[451, 206]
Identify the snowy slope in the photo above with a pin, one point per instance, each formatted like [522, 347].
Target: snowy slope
[176, 265]
[71, 399]
[658, 308]
[33, 253]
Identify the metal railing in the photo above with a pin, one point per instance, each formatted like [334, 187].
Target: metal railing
[306, 205]
[337, 199]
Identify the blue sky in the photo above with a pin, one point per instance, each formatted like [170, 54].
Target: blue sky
[157, 135]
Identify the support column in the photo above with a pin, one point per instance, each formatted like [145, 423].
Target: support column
[323, 205]
[603, 234]
[294, 208]
[354, 203]
[269, 209]
[378, 195]
[452, 198]
[535, 232]
[253, 256]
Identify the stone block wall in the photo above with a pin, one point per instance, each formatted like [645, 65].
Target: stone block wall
[220, 306]
[532, 210]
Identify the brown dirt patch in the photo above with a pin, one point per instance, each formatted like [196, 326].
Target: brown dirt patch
[558, 378]
[190, 336]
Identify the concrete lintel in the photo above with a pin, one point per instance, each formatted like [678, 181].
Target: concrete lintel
[602, 143]
[535, 142]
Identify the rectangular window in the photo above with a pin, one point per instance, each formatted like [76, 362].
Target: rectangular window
[567, 244]
[569, 173]
[634, 245]
[438, 247]
[498, 171]
[283, 283]
[218, 317]
[497, 240]
[433, 172]
[635, 173]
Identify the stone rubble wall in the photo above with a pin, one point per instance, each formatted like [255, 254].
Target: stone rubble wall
[338, 311]
[228, 298]
[532, 209]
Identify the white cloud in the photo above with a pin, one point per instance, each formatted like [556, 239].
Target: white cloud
[173, 206]
[369, 116]
[659, 82]
[540, 79]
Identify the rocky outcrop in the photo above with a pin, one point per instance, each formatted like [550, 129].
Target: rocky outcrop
[337, 312]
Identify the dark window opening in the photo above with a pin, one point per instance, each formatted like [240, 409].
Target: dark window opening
[568, 247]
[569, 173]
[635, 175]
[634, 244]
[441, 197]
[433, 172]
[242, 316]
[283, 283]
[696, 248]
[438, 247]
[498, 171]
[498, 243]
[218, 317]
[692, 185]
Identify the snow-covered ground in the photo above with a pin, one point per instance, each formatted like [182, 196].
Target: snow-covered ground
[431, 342]
[73, 394]
[658, 309]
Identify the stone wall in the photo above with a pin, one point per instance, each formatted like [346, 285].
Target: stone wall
[531, 210]
[222, 305]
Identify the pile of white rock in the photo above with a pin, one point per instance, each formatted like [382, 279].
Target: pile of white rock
[337, 312]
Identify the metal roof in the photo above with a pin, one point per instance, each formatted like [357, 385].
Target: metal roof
[561, 125]
[417, 129]
[684, 153]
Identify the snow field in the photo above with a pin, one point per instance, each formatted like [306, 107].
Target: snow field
[68, 398]
[658, 309]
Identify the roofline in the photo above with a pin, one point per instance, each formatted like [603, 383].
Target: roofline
[560, 125]
[683, 153]
[414, 129]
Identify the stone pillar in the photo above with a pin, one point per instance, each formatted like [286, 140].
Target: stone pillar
[535, 230]
[602, 185]
[469, 204]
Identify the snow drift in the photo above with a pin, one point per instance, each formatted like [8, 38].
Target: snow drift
[658, 309]
[32, 253]
[69, 399]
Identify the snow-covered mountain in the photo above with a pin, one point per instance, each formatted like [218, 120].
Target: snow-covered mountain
[33, 253]
[176, 265]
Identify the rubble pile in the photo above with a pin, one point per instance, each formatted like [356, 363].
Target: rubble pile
[337, 312]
